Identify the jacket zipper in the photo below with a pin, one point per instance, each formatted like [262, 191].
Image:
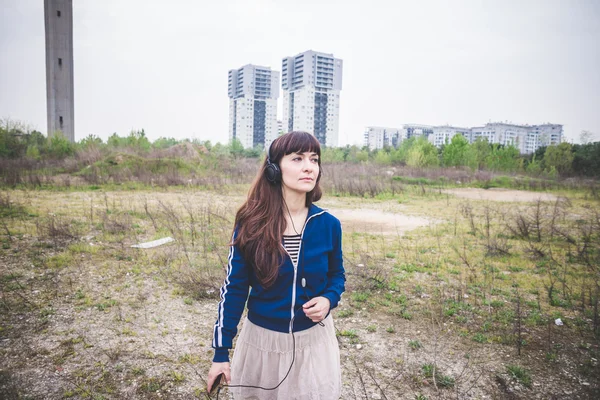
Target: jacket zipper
[296, 269]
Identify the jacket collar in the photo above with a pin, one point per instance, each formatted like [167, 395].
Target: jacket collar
[313, 210]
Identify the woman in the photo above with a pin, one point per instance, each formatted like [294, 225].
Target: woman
[287, 253]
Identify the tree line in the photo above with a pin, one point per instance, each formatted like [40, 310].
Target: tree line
[18, 141]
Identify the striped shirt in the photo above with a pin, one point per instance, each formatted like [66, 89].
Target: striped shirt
[292, 245]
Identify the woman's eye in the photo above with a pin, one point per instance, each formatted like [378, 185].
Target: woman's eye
[315, 160]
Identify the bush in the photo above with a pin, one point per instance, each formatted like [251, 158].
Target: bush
[59, 147]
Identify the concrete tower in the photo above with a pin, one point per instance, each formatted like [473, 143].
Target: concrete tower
[58, 15]
[253, 91]
[311, 83]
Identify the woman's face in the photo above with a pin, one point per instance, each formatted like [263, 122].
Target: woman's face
[299, 171]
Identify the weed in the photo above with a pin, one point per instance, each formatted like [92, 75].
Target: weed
[480, 338]
[189, 359]
[444, 381]
[414, 344]
[176, 376]
[106, 305]
[60, 261]
[345, 313]
[360, 297]
[519, 373]
[349, 333]
[150, 385]
[128, 332]
[406, 315]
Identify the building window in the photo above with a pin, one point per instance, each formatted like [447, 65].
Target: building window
[60, 62]
[60, 121]
[58, 13]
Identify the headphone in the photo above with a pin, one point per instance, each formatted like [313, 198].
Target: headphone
[272, 171]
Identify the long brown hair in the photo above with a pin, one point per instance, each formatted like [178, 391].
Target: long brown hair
[260, 221]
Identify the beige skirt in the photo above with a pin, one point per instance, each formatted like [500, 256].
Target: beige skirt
[263, 357]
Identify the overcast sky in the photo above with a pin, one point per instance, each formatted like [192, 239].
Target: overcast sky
[162, 65]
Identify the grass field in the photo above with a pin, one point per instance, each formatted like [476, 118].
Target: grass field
[463, 304]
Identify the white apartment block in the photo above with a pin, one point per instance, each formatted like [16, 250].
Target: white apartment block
[253, 91]
[547, 134]
[526, 138]
[412, 130]
[378, 137]
[444, 134]
[311, 83]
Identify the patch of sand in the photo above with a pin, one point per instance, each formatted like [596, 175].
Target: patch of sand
[375, 221]
[497, 194]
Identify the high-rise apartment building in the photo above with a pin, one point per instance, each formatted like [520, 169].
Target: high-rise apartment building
[378, 137]
[253, 93]
[311, 83]
[58, 18]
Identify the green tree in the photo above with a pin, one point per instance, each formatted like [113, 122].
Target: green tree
[116, 141]
[400, 155]
[138, 140]
[33, 152]
[362, 156]
[333, 154]
[586, 159]
[383, 158]
[219, 150]
[422, 153]
[534, 167]
[91, 141]
[254, 152]
[13, 143]
[59, 146]
[164, 143]
[503, 158]
[560, 157]
[36, 139]
[482, 150]
[354, 154]
[236, 148]
[459, 153]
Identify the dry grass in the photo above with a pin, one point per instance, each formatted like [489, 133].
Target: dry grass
[435, 312]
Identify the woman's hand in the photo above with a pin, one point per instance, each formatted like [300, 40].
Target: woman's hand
[215, 370]
[317, 308]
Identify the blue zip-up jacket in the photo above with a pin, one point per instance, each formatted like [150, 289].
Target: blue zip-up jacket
[279, 308]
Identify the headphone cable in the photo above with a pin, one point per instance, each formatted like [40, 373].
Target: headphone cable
[284, 378]
[292, 331]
